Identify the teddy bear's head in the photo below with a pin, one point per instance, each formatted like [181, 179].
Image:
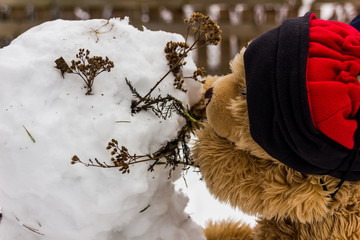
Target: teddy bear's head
[231, 153]
[226, 107]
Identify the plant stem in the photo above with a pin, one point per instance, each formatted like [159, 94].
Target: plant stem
[166, 74]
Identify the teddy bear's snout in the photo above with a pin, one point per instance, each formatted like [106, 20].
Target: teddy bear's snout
[208, 95]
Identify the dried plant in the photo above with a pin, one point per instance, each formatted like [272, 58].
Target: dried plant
[88, 68]
[204, 29]
[175, 152]
[175, 55]
[162, 107]
[205, 32]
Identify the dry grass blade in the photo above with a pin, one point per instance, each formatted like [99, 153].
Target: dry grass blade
[33, 230]
[31, 137]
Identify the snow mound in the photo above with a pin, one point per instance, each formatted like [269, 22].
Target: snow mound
[46, 119]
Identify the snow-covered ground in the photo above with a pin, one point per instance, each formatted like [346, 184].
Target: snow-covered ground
[46, 119]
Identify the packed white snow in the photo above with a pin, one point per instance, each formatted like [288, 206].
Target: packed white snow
[46, 119]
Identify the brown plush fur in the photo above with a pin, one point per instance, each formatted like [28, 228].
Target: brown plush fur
[290, 205]
[227, 230]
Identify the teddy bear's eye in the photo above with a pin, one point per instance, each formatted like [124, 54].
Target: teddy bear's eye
[208, 94]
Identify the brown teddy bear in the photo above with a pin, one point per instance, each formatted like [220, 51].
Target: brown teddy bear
[282, 137]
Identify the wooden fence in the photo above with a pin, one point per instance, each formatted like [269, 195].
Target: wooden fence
[239, 20]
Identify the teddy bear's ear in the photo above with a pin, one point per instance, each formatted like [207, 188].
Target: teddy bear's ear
[237, 67]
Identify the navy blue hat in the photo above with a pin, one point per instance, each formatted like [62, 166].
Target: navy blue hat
[356, 22]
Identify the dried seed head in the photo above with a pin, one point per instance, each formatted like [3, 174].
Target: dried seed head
[204, 27]
[75, 159]
[87, 67]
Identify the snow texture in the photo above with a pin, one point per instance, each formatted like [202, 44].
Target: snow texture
[42, 195]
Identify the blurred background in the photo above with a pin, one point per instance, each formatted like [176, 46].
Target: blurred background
[240, 20]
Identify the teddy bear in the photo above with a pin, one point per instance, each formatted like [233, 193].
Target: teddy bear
[281, 138]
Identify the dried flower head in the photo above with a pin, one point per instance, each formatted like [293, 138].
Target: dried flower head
[204, 28]
[88, 68]
[199, 72]
[75, 159]
[175, 55]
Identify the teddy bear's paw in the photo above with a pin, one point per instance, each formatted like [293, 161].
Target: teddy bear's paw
[227, 230]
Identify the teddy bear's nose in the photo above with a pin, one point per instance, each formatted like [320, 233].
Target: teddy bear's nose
[208, 95]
